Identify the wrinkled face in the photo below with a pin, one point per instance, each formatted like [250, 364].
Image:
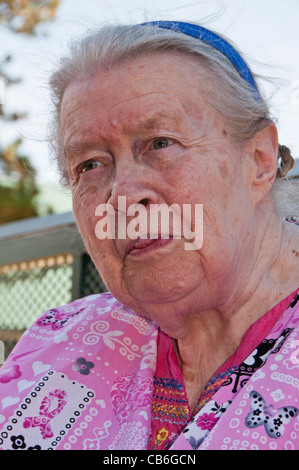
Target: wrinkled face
[146, 131]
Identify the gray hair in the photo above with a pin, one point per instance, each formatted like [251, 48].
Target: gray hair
[230, 95]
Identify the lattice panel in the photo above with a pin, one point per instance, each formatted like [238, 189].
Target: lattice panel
[91, 282]
[27, 289]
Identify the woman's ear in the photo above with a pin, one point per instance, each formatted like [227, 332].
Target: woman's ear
[264, 152]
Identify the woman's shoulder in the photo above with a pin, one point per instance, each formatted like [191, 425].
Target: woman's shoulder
[94, 314]
[96, 303]
[90, 321]
[57, 318]
[102, 308]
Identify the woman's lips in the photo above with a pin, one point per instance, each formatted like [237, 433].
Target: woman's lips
[141, 246]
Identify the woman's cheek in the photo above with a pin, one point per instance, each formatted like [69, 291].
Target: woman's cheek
[84, 206]
[85, 202]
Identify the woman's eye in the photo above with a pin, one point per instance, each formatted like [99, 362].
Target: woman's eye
[89, 165]
[161, 143]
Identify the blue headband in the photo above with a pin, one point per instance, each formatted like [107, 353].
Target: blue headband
[217, 42]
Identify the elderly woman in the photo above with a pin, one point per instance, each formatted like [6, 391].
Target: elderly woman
[190, 348]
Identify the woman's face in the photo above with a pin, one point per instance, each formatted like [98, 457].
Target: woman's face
[145, 130]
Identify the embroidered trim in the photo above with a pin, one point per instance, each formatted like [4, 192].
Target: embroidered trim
[213, 386]
[169, 401]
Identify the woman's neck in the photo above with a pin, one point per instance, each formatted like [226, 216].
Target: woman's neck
[212, 336]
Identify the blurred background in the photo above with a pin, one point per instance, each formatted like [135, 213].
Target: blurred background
[43, 262]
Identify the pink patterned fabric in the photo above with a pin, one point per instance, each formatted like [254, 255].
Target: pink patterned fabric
[82, 377]
[256, 407]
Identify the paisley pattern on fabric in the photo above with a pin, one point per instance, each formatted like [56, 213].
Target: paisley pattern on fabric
[129, 393]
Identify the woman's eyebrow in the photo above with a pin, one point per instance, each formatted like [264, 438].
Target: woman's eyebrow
[78, 147]
[159, 119]
[160, 122]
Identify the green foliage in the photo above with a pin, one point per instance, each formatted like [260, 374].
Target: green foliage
[18, 188]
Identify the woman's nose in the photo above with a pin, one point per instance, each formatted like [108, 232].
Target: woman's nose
[135, 185]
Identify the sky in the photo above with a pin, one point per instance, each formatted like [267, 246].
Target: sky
[264, 30]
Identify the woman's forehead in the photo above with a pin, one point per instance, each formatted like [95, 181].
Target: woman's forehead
[143, 93]
[154, 73]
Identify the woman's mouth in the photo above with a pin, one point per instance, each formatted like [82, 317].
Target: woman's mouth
[142, 247]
